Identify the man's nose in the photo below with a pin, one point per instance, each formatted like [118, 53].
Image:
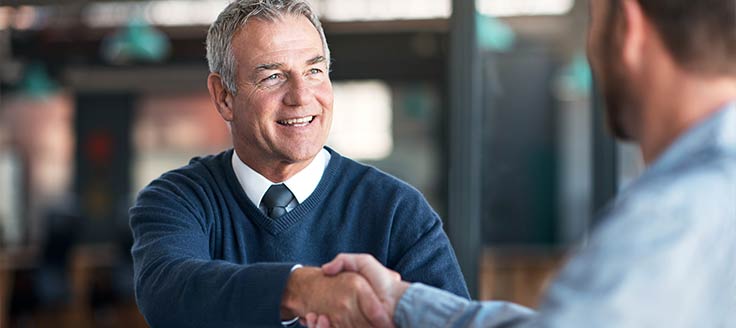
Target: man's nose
[299, 93]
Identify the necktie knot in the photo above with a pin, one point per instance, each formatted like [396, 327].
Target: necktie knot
[276, 199]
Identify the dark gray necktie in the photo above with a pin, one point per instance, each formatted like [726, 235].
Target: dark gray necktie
[276, 199]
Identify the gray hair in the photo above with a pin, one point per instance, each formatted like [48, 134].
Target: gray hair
[220, 55]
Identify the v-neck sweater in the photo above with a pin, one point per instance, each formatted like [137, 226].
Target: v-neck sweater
[205, 256]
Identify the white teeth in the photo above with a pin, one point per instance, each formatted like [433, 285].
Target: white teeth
[297, 121]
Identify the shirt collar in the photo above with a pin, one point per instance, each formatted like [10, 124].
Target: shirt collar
[301, 184]
[716, 131]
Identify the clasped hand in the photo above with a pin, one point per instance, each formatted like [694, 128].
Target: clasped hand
[353, 290]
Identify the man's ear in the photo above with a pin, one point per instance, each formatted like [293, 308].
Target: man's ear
[634, 33]
[221, 97]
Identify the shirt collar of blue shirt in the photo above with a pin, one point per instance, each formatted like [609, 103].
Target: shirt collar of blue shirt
[717, 132]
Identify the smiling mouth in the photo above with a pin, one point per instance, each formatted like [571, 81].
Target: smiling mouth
[301, 121]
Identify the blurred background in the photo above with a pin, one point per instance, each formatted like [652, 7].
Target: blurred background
[486, 106]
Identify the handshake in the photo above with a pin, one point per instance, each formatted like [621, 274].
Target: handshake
[353, 290]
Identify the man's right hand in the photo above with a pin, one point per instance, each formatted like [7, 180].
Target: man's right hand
[347, 299]
[385, 282]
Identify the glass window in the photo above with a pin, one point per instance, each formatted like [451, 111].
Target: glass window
[502, 8]
[361, 125]
[172, 128]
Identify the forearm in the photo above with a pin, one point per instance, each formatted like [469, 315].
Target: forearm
[178, 284]
[424, 306]
[196, 293]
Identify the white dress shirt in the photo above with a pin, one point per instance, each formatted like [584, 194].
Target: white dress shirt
[301, 184]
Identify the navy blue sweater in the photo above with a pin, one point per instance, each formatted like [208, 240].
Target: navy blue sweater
[206, 256]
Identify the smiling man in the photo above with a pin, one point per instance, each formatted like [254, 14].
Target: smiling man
[232, 240]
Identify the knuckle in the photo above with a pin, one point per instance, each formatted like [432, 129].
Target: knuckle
[373, 313]
[353, 280]
[343, 304]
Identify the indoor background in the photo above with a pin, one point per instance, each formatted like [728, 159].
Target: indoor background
[487, 107]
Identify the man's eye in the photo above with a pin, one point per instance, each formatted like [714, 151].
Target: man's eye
[315, 71]
[272, 79]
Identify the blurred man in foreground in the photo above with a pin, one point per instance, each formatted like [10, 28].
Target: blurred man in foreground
[665, 252]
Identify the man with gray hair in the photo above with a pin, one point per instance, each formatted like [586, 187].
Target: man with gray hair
[233, 239]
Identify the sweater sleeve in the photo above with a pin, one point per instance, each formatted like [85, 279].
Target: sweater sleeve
[421, 251]
[178, 284]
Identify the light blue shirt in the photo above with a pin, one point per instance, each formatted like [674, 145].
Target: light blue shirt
[663, 256]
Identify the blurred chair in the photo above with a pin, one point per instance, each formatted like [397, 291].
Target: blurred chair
[44, 286]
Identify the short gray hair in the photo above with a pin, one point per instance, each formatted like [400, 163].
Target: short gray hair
[220, 55]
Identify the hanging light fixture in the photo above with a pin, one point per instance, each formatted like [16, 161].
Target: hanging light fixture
[136, 42]
[36, 81]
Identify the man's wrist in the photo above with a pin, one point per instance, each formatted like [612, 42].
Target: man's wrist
[295, 318]
[397, 292]
[292, 302]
